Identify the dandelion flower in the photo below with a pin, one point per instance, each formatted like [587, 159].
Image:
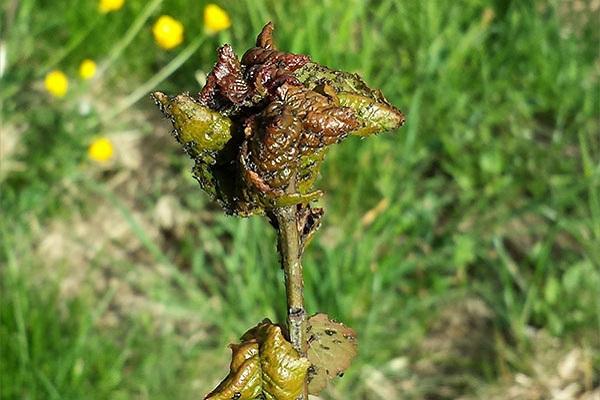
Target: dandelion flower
[56, 83]
[168, 32]
[215, 19]
[87, 69]
[106, 6]
[101, 150]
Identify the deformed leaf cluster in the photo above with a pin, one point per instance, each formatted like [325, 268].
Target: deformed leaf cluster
[266, 366]
[260, 127]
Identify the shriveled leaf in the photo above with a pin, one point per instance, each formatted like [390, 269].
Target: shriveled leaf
[205, 134]
[331, 348]
[264, 364]
[370, 107]
[374, 113]
[284, 371]
[259, 129]
[308, 221]
[245, 378]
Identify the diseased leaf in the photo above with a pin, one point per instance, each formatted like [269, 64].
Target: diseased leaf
[264, 364]
[331, 348]
[245, 378]
[374, 113]
[260, 127]
[284, 371]
[197, 127]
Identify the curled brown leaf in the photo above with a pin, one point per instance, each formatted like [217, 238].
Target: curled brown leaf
[279, 113]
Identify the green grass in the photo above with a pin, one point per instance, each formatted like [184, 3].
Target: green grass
[491, 191]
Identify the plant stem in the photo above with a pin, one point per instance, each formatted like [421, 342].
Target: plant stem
[289, 249]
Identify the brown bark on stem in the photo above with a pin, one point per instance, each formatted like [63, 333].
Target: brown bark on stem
[290, 250]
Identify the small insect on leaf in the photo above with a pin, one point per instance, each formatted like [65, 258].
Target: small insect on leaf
[331, 348]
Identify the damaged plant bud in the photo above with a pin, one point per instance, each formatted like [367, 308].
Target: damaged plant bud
[259, 128]
[258, 132]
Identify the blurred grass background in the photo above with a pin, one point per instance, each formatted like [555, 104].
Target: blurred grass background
[464, 248]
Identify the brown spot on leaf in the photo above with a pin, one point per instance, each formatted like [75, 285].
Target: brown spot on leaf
[331, 352]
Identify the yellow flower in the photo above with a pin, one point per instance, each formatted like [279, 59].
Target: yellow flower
[56, 83]
[101, 150]
[168, 32]
[215, 19]
[87, 69]
[106, 6]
